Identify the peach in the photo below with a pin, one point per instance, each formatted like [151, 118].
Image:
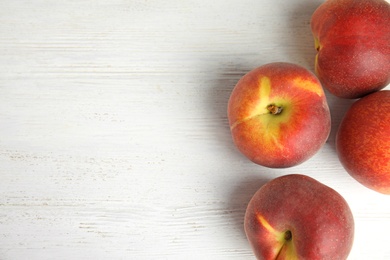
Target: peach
[278, 115]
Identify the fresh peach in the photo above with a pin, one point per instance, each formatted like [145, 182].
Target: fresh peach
[278, 115]
[363, 141]
[353, 42]
[296, 217]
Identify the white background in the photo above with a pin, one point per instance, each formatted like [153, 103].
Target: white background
[114, 140]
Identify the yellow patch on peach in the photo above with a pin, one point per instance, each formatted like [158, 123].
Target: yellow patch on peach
[309, 86]
[316, 64]
[267, 225]
[285, 245]
[264, 93]
[267, 124]
[261, 108]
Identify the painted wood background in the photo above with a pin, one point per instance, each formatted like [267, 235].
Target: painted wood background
[114, 141]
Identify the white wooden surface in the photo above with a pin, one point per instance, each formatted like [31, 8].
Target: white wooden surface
[114, 142]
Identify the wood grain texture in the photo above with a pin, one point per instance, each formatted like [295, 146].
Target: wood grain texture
[114, 141]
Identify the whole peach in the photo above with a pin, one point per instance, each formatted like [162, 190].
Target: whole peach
[278, 115]
[363, 141]
[352, 38]
[296, 217]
